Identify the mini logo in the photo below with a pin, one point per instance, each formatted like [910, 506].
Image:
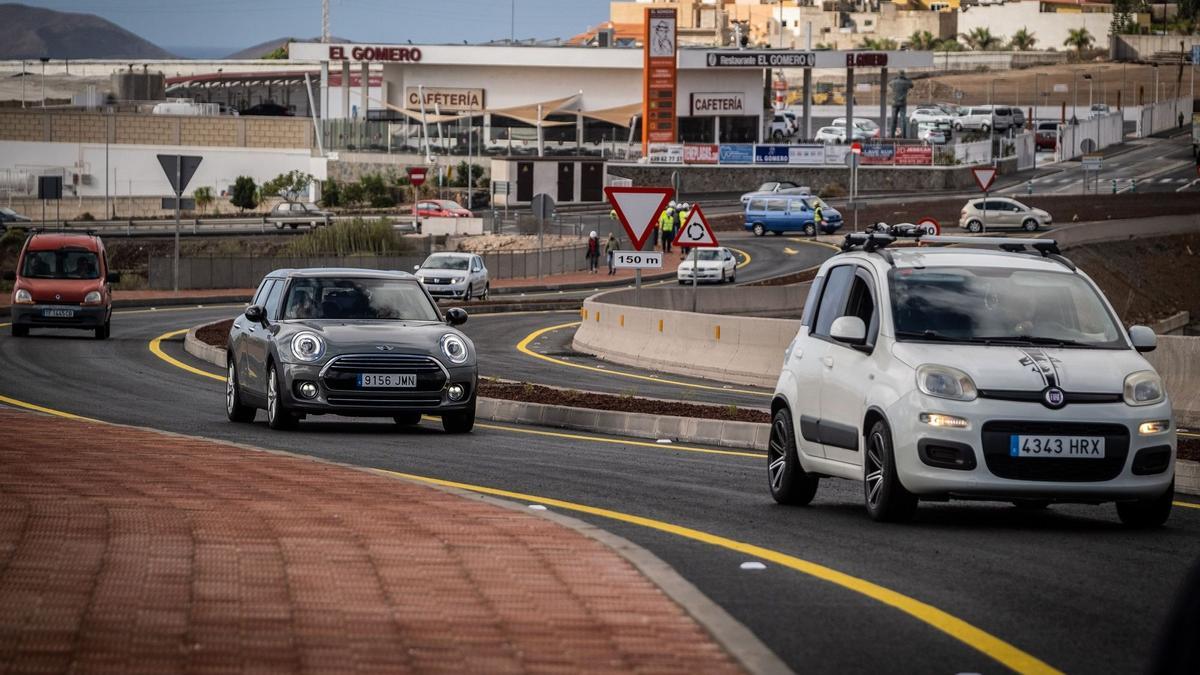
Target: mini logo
[385, 348]
[1054, 398]
[57, 296]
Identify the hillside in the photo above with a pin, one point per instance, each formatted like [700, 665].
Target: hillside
[32, 32]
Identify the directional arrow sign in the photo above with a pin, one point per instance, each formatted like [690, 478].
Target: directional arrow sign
[179, 170]
[638, 208]
[696, 232]
[984, 176]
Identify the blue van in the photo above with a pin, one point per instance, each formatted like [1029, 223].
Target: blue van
[788, 213]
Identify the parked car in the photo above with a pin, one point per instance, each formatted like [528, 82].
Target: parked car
[831, 135]
[1098, 109]
[441, 208]
[867, 128]
[778, 187]
[933, 133]
[984, 118]
[788, 214]
[62, 281]
[267, 109]
[8, 218]
[363, 343]
[1001, 213]
[964, 373]
[455, 275]
[1018, 117]
[781, 128]
[930, 114]
[717, 265]
[1046, 135]
[295, 214]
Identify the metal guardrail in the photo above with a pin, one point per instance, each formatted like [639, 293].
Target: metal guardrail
[199, 226]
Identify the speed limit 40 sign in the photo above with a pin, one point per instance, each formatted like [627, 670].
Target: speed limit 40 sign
[638, 260]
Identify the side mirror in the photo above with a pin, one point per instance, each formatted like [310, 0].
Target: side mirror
[10, 276]
[456, 316]
[849, 329]
[113, 278]
[256, 313]
[1143, 338]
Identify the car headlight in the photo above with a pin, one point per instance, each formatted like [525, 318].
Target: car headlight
[946, 382]
[1144, 387]
[307, 346]
[92, 298]
[457, 280]
[23, 297]
[454, 348]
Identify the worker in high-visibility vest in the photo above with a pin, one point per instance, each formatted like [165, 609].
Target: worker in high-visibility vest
[681, 219]
[666, 223]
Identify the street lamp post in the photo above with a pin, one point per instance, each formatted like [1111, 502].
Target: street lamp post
[44, 59]
[1075, 96]
[1088, 77]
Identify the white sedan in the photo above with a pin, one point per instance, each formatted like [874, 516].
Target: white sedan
[708, 264]
[932, 115]
[831, 135]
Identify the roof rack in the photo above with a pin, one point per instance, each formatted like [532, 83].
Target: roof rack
[880, 235]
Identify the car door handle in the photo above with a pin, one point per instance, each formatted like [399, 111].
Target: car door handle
[828, 361]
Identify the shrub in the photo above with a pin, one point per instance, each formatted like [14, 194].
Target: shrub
[356, 237]
[832, 191]
[351, 194]
[86, 216]
[245, 193]
[330, 194]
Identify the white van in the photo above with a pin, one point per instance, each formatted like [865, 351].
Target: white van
[984, 118]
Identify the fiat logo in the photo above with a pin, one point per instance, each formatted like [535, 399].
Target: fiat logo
[385, 348]
[1054, 398]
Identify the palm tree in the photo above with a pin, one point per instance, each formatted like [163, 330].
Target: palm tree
[947, 45]
[1079, 38]
[203, 197]
[1022, 40]
[982, 39]
[879, 44]
[922, 40]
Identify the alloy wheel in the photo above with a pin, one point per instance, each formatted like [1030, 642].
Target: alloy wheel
[873, 471]
[272, 396]
[229, 389]
[777, 454]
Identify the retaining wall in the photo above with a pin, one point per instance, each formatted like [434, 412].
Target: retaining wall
[56, 126]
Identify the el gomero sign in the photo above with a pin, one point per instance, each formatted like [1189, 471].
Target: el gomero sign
[443, 99]
[386, 54]
[709, 104]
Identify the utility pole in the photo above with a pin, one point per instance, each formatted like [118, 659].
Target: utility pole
[324, 24]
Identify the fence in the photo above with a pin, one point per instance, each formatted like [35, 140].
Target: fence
[1089, 135]
[976, 152]
[874, 153]
[1154, 118]
[524, 264]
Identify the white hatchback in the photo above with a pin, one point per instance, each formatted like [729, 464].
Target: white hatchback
[716, 265]
[936, 373]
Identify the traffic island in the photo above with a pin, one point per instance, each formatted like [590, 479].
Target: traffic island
[125, 549]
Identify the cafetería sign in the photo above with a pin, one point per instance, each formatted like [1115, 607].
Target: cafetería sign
[367, 53]
[443, 99]
[711, 104]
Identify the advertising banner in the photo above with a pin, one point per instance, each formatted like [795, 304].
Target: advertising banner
[701, 154]
[666, 153]
[806, 154]
[878, 153]
[658, 77]
[914, 155]
[737, 154]
[836, 154]
[770, 154]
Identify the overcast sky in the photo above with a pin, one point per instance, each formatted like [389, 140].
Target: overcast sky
[222, 26]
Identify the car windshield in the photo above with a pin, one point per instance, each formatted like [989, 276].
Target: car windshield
[61, 264]
[988, 305]
[357, 299]
[7, 212]
[767, 187]
[445, 262]
[706, 254]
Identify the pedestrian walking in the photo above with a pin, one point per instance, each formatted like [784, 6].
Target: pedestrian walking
[681, 218]
[593, 252]
[610, 252]
[667, 221]
[818, 218]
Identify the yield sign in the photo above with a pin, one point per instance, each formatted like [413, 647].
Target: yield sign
[179, 170]
[638, 208]
[984, 176]
[696, 231]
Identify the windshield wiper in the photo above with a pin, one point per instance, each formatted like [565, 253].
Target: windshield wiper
[1037, 340]
[935, 336]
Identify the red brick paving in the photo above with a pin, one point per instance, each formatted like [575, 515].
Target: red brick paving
[128, 551]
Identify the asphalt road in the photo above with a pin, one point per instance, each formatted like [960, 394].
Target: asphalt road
[1154, 164]
[1068, 586]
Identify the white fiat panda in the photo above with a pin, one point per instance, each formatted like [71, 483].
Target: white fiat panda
[966, 373]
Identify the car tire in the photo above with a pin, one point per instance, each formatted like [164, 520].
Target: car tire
[460, 421]
[1147, 513]
[294, 225]
[235, 410]
[1030, 225]
[469, 292]
[102, 332]
[958, 127]
[984, 128]
[788, 481]
[886, 498]
[279, 417]
[974, 226]
[407, 419]
[759, 230]
[723, 276]
[487, 288]
[279, 226]
[20, 331]
[810, 230]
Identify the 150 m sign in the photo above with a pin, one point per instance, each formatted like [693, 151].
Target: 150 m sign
[638, 260]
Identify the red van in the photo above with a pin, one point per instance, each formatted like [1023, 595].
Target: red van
[62, 281]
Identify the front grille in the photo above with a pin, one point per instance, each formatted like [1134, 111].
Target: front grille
[1026, 396]
[383, 399]
[341, 375]
[996, 443]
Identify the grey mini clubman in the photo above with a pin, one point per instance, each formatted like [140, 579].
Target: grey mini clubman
[362, 343]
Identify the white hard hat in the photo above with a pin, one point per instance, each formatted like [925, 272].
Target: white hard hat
[593, 234]
[672, 204]
[686, 206]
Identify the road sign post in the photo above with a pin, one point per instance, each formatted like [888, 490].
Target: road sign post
[855, 154]
[637, 210]
[695, 233]
[543, 208]
[179, 170]
[984, 177]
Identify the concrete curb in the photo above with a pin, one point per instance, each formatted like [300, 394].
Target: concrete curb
[1187, 477]
[720, 433]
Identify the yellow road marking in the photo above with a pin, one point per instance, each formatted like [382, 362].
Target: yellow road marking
[48, 411]
[976, 638]
[746, 257]
[809, 242]
[790, 251]
[156, 349]
[1188, 505]
[523, 347]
